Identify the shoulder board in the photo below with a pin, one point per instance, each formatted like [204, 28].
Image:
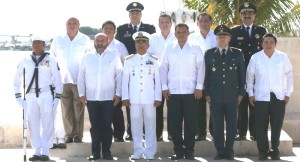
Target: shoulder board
[153, 56]
[129, 56]
[212, 49]
[236, 49]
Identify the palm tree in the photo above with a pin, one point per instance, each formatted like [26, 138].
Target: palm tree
[281, 17]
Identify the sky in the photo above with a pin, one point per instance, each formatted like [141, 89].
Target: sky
[48, 17]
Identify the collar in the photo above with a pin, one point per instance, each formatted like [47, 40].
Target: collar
[220, 50]
[245, 26]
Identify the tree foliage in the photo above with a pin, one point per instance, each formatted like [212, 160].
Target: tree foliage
[281, 17]
[89, 31]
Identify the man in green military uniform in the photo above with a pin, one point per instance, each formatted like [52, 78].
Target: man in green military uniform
[225, 87]
[248, 38]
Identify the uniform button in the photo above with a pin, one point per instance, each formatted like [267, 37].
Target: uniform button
[141, 76]
[141, 83]
[223, 76]
[249, 53]
[223, 69]
[141, 64]
[141, 90]
[223, 63]
[224, 82]
[141, 70]
[249, 45]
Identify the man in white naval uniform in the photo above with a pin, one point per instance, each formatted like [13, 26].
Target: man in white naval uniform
[158, 41]
[39, 71]
[99, 87]
[141, 91]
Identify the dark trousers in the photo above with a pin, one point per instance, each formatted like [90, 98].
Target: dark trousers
[221, 111]
[202, 119]
[183, 107]
[266, 112]
[242, 123]
[160, 119]
[101, 115]
[118, 122]
[128, 131]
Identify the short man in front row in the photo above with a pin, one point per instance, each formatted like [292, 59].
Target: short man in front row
[182, 77]
[141, 91]
[99, 87]
[39, 71]
[225, 87]
[270, 85]
[124, 35]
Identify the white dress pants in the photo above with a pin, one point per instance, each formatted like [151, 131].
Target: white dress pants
[40, 121]
[143, 115]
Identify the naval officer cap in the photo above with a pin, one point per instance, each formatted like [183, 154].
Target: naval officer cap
[38, 38]
[141, 35]
[135, 6]
[246, 6]
[222, 30]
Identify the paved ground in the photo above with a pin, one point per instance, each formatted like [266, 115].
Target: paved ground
[16, 155]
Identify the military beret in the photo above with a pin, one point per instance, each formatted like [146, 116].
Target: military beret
[135, 6]
[38, 38]
[222, 30]
[246, 6]
[141, 35]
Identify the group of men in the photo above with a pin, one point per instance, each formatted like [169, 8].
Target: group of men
[141, 69]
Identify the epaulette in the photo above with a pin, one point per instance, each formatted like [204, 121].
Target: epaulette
[234, 48]
[154, 56]
[129, 56]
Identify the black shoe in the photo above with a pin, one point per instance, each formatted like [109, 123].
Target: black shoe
[93, 157]
[119, 140]
[252, 138]
[240, 138]
[159, 139]
[128, 138]
[262, 157]
[54, 146]
[77, 139]
[189, 156]
[108, 157]
[68, 140]
[230, 157]
[45, 158]
[219, 157]
[34, 158]
[62, 146]
[176, 157]
[274, 155]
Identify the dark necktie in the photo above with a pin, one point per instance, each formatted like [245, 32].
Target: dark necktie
[223, 54]
[135, 28]
[248, 31]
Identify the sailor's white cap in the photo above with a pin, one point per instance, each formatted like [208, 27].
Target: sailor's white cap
[39, 38]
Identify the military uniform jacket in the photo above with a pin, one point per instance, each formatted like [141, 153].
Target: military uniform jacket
[141, 80]
[125, 32]
[48, 74]
[249, 45]
[224, 81]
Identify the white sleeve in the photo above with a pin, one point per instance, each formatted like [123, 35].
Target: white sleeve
[125, 82]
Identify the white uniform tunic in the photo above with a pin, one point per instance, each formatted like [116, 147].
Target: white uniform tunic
[266, 75]
[39, 109]
[100, 76]
[141, 86]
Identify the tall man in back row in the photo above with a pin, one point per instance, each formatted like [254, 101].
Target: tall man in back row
[124, 35]
[247, 37]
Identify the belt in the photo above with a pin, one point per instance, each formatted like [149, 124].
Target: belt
[44, 89]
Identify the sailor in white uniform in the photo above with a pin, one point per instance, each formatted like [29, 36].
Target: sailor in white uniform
[39, 72]
[141, 90]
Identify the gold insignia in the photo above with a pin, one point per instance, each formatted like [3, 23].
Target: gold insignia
[213, 69]
[230, 68]
[129, 56]
[140, 34]
[240, 38]
[246, 4]
[256, 36]
[153, 56]
[134, 4]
